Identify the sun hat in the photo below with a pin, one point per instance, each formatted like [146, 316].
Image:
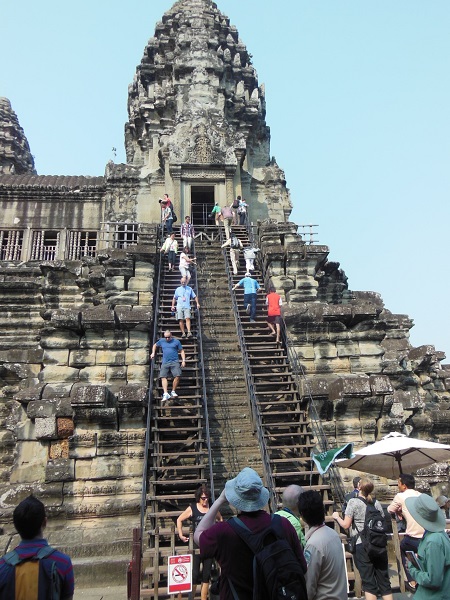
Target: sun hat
[441, 501]
[246, 491]
[426, 512]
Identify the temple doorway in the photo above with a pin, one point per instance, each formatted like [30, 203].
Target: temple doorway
[202, 202]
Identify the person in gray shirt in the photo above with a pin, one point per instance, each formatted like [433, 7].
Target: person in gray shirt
[326, 577]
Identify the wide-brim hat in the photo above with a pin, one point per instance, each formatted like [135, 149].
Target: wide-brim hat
[246, 491]
[426, 512]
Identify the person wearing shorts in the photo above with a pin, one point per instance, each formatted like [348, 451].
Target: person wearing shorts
[170, 365]
[274, 302]
[185, 261]
[182, 298]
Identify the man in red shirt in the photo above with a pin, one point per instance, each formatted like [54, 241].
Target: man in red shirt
[274, 302]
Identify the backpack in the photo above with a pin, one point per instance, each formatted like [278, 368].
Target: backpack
[227, 213]
[235, 203]
[28, 578]
[277, 573]
[174, 216]
[373, 536]
[234, 242]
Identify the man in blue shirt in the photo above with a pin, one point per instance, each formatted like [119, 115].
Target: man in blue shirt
[251, 287]
[182, 296]
[170, 347]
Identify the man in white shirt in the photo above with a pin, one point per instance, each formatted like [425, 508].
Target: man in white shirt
[414, 532]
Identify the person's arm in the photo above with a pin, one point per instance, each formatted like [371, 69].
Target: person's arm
[152, 355]
[183, 357]
[345, 522]
[185, 515]
[210, 517]
[236, 286]
[174, 299]
[197, 302]
[395, 507]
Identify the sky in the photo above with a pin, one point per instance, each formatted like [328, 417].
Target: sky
[358, 97]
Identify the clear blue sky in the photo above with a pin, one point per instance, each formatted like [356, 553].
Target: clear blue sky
[358, 102]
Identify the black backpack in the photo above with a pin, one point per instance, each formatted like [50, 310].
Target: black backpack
[373, 536]
[277, 573]
[174, 216]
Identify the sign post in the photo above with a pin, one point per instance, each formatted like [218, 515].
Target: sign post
[179, 576]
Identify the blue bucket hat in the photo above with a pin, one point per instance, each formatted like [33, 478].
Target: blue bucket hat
[246, 491]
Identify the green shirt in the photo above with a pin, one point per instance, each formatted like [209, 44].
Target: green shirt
[434, 557]
[295, 522]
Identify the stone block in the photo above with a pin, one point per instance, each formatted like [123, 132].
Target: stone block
[370, 349]
[82, 358]
[7, 440]
[98, 317]
[96, 417]
[61, 340]
[145, 299]
[347, 348]
[132, 394]
[57, 390]
[409, 399]
[140, 284]
[56, 357]
[325, 350]
[90, 396]
[65, 318]
[137, 315]
[25, 431]
[137, 374]
[353, 385]
[21, 370]
[60, 470]
[112, 443]
[365, 364]
[115, 283]
[59, 449]
[83, 445]
[144, 269]
[130, 415]
[29, 394]
[94, 375]
[106, 467]
[58, 374]
[139, 339]
[137, 356]
[45, 429]
[109, 340]
[114, 374]
[30, 463]
[38, 409]
[64, 427]
[22, 355]
[110, 357]
[305, 352]
[380, 384]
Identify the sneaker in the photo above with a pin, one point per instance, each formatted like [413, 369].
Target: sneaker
[247, 310]
[189, 334]
[184, 335]
[165, 397]
[173, 394]
[252, 321]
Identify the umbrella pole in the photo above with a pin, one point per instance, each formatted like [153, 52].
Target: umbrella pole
[398, 458]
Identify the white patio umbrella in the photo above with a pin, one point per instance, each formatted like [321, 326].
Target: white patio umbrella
[396, 453]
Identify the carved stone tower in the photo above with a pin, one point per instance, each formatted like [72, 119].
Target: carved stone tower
[196, 124]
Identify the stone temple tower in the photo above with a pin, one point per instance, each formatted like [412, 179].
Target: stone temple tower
[196, 125]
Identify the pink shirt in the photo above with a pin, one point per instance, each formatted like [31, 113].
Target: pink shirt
[398, 507]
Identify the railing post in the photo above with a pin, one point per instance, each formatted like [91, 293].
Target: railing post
[134, 583]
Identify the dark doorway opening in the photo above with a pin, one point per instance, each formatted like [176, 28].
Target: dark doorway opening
[202, 202]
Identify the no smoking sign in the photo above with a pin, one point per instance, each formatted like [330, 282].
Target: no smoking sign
[180, 574]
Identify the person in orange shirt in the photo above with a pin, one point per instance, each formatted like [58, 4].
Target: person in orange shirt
[274, 302]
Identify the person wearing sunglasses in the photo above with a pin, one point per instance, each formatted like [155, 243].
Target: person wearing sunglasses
[195, 512]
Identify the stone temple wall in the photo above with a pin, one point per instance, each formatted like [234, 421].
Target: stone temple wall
[74, 355]
[361, 369]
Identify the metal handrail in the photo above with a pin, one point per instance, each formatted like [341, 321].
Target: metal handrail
[256, 416]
